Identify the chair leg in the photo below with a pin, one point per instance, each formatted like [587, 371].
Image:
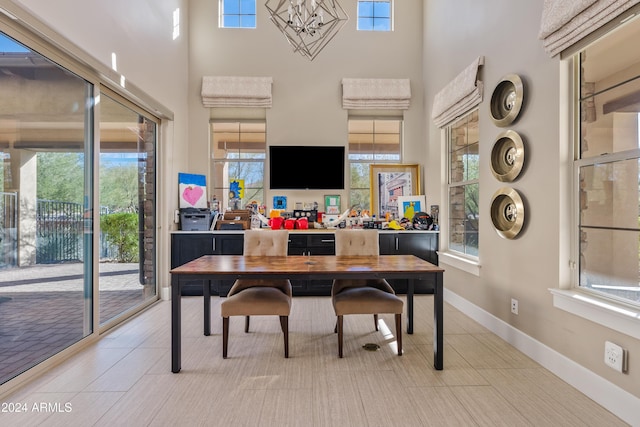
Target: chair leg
[246, 324]
[335, 328]
[375, 321]
[225, 336]
[399, 333]
[284, 323]
[339, 326]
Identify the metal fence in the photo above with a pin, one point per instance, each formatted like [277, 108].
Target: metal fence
[59, 232]
[8, 229]
[59, 228]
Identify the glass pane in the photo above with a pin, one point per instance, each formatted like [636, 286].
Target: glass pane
[231, 21]
[464, 149]
[231, 7]
[46, 213]
[382, 24]
[382, 9]
[609, 121]
[248, 21]
[609, 195]
[127, 209]
[365, 8]
[471, 219]
[248, 7]
[610, 68]
[365, 23]
[609, 262]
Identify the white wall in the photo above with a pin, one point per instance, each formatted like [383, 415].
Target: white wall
[307, 95]
[505, 32]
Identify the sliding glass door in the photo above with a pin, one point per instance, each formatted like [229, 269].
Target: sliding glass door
[46, 240]
[77, 194]
[127, 208]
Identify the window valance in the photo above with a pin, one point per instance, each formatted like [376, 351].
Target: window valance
[564, 22]
[230, 91]
[393, 94]
[459, 95]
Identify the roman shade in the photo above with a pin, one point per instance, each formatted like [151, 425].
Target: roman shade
[391, 94]
[232, 91]
[565, 23]
[459, 95]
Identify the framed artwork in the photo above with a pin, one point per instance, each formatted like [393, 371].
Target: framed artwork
[192, 190]
[388, 182]
[408, 206]
[332, 204]
[280, 202]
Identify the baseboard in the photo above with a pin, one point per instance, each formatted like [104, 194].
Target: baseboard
[616, 400]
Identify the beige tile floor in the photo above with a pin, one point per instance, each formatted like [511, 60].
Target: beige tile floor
[125, 379]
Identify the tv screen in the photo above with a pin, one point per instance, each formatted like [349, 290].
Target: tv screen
[295, 167]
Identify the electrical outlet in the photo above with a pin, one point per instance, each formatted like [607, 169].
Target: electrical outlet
[615, 356]
[514, 306]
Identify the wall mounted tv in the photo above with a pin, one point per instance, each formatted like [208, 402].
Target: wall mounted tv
[295, 167]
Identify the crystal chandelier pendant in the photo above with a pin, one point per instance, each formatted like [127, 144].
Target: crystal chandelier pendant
[308, 25]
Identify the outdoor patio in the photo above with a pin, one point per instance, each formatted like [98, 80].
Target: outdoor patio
[42, 309]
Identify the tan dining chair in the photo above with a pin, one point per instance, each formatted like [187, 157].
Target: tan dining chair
[363, 296]
[259, 297]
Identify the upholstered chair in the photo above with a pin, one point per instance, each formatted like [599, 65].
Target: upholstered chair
[259, 297]
[363, 296]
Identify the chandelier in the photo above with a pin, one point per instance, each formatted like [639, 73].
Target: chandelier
[308, 25]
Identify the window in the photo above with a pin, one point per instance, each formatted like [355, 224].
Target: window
[375, 15]
[371, 141]
[238, 13]
[607, 165]
[238, 152]
[463, 184]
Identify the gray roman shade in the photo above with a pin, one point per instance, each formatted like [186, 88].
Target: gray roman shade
[565, 23]
[230, 91]
[459, 95]
[392, 94]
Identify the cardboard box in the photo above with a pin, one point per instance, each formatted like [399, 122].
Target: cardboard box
[232, 218]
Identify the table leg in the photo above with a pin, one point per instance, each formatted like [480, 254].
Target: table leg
[410, 292]
[176, 326]
[438, 330]
[206, 292]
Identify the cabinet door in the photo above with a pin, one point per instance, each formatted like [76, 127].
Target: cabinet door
[422, 245]
[187, 247]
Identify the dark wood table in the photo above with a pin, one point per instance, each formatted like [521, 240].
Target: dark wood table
[231, 267]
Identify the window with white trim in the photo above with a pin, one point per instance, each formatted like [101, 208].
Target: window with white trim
[238, 153]
[371, 141]
[375, 15]
[463, 184]
[237, 13]
[607, 166]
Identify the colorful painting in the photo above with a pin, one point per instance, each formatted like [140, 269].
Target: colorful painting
[408, 206]
[192, 189]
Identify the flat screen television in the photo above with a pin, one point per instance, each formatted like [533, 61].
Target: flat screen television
[296, 167]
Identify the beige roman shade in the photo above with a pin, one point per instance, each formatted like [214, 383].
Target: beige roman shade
[565, 23]
[392, 94]
[230, 91]
[459, 95]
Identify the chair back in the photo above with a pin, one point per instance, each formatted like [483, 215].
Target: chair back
[357, 242]
[266, 242]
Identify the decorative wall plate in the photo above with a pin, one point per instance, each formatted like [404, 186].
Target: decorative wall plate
[507, 212]
[506, 100]
[507, 156]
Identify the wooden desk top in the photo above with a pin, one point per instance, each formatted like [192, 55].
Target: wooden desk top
[299, 264]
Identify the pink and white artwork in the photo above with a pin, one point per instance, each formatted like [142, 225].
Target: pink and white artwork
[192, 189]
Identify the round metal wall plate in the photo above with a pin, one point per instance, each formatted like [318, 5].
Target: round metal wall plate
[507, 212]
[507, 156]
[506, 100]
